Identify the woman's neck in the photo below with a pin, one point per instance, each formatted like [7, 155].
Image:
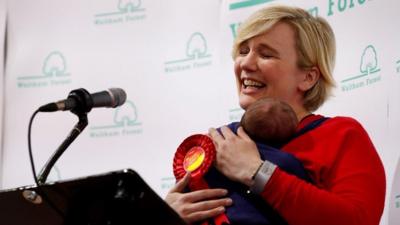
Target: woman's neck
[301, 113]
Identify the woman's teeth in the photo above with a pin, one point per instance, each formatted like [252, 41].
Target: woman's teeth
[252, 83]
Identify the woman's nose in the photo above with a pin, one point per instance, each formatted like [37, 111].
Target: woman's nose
[249, 62]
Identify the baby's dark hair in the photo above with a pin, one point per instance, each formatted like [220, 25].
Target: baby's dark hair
[270, 121]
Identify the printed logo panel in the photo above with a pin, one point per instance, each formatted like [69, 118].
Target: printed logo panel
[125, 122]
[123, 12]
[196, 55]
[369, 71]
[54, 72]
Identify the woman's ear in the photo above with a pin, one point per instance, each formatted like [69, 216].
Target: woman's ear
[310, 78]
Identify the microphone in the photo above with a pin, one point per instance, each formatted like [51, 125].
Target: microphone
[81, 101]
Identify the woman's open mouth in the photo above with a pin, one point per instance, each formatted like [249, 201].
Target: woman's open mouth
[250, 84]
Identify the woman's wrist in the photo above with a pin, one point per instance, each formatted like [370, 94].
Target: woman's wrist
[252, 171]
[261, 177]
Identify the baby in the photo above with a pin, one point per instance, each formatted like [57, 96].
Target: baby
[269, 121]
[271, 124]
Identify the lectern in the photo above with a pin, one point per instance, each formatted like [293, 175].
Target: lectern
[115, 198]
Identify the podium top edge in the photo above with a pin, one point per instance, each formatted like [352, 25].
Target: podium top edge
[127, 171]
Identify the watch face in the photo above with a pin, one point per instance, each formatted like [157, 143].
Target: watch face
[193, 159]
[394, 208]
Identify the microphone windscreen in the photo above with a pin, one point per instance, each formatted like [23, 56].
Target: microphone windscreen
[118, 95]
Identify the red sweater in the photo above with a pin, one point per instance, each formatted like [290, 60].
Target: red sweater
[349, 179]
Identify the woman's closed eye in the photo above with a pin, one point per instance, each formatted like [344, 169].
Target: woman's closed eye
[265, 55]
[244, 50]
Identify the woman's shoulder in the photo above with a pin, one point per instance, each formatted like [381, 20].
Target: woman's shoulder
[343, 123]
[320, 122]
[344, 120]
[336, 128]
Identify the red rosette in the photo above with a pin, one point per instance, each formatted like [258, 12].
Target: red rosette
[195, 155]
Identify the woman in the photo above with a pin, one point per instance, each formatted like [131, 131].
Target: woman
[285, 53]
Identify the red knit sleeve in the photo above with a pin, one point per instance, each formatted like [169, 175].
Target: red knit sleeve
[349, 179]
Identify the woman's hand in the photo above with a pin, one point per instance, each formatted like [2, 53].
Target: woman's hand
[197, 205]
[237, 155]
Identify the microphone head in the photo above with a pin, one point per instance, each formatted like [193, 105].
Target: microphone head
[118, 96]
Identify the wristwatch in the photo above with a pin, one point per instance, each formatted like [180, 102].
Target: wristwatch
[262, 176]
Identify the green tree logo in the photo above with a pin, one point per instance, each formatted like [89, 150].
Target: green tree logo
[368, 64]
[128, 5]
[126, 115]
[54, 65]
[196, 46]
[369, 61]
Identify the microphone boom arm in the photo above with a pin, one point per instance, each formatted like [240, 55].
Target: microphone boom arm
[78, 128]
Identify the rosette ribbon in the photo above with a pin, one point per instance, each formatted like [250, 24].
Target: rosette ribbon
[196, 155]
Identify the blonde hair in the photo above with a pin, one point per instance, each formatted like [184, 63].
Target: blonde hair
[315, 45]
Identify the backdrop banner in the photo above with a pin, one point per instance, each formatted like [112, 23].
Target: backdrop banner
[3, 15]
[173, 58]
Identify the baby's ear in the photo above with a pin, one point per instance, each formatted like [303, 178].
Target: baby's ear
[309, 79]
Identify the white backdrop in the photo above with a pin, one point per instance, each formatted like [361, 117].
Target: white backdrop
[173, 60]
[2, 45]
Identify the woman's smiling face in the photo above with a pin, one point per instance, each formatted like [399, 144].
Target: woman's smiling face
[266, 66]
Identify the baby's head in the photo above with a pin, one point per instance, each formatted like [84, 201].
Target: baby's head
[270, 121]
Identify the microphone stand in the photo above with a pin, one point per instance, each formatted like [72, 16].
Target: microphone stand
[84, 105]
[78, 128]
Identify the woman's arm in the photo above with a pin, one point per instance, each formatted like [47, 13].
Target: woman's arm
[197, 205]
[348, 174]
[349, 188]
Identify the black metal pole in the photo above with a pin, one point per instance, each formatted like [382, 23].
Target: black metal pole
[78, 128]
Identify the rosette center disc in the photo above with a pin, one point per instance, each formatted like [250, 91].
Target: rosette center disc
[193, 159]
